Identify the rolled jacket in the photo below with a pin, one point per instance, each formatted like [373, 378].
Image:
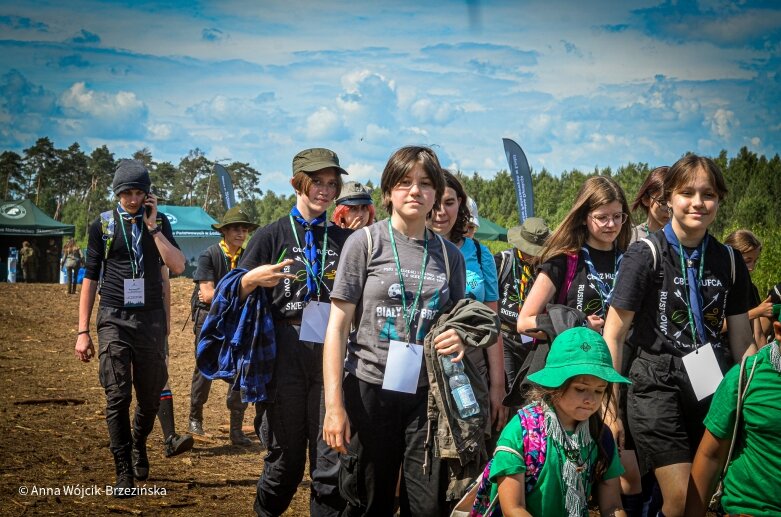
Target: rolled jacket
[457, 438]
[237, 339]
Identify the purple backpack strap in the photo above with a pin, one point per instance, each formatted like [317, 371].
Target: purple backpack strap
[535, 439]
[572, 266]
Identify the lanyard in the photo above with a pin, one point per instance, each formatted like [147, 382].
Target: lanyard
[130, 251]
[408, 313]
[522, 287]
[602, 289]
[317, 279]
[685, 274]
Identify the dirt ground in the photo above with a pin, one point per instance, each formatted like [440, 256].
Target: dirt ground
[53, 435]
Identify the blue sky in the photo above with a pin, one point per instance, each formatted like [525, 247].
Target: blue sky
[576, 84]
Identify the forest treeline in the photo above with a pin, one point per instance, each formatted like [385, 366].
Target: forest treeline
[74, 187]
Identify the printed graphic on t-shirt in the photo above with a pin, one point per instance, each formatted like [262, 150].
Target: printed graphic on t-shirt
[389, 312]
[673, 317]
[296, 289]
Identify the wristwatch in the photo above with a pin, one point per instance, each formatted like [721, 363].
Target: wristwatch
[155, 230]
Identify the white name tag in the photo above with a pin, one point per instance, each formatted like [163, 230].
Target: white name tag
[526, 339]
[314, 321]
[402, 369]
[134, 292]
[704, 372]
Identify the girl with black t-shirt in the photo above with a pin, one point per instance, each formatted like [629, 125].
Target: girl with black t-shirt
[677, 291]
[594, 232]
[650, 198]
[296, 258]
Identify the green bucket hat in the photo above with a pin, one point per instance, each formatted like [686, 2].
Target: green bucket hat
[577, 351]
[235, 216]
[313, 160]
[530, 236]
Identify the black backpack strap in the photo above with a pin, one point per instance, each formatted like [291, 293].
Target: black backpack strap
[479, 251]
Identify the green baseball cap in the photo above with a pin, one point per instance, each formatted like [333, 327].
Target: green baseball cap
[313, 160]
[577, 351]
[530, 236]
[235, 215]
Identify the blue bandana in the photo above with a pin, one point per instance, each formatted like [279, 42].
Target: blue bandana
[310, 251]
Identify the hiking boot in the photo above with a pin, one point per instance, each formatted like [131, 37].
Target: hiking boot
[176, 444]
[139, 458]
[123, 488]
[196, 427]
[237, 435]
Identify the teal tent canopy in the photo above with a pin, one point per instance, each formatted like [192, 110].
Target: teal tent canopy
[23, 218]
[490, 231]
[192, 229]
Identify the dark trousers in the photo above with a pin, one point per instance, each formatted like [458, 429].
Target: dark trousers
[71, 273]
[131, 353]
[389, 432]
[200, 387]
[515, 353]
[295, 425]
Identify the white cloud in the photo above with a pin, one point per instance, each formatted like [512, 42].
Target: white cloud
[722, 123]
[363, 172]
[324, 124]
[119, 114]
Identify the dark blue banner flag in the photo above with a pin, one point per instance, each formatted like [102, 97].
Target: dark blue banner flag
[226, 186]
[522, 178]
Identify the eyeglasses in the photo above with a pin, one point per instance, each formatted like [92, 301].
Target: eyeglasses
[603, 219]
[658, 200]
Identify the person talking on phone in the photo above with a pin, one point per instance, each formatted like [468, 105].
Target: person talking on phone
[126, 252]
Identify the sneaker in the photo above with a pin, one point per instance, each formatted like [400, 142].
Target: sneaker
[176, 444]
[196, 427]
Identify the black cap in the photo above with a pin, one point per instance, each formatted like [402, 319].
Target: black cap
[131, 174]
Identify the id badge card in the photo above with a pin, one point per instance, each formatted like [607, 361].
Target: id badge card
[402, 370]
[314, 321]
[703, 369]
[134, 292]
[526, 340]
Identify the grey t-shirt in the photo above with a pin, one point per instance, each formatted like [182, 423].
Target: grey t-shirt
[376, 291]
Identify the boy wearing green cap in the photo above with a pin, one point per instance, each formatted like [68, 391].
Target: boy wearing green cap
[550, 457]
[213, 264]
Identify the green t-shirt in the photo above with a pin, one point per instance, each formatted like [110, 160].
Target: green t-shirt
[751, 484]
[547, 496]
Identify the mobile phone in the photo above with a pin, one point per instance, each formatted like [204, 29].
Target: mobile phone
[147, 208]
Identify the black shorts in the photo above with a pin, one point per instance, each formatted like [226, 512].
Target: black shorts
[665, 418]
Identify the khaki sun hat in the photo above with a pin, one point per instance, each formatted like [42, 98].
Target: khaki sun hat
[235, 215]
[313, 160]
[530, 236]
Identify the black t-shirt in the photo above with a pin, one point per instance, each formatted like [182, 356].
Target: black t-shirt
[118, 268]
[212, 266]
[269, 243]
[510, 300]
[583, 293]
[661, 320]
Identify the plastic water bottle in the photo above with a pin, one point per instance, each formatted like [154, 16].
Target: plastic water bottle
[460, 387]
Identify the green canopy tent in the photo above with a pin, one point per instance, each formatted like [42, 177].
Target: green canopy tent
[23, 221]
[192, 229]
[490, 231]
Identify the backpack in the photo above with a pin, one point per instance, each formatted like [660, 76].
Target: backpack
[652, 241]
[534, 454]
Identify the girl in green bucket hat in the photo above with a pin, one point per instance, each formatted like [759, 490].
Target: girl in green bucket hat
[550, 457]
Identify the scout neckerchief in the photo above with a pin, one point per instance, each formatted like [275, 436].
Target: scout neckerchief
[408, 313]
[525, 283]
[136, 250]
[603, 290]
[314, 271]
[692, 278]
[231, 261]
